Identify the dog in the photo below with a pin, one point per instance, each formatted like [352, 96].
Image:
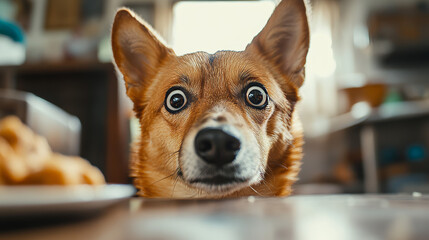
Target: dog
[216, 125]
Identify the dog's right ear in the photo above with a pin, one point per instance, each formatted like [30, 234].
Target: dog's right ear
[138, 53]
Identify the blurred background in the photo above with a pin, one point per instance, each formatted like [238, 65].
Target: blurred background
[365, 104]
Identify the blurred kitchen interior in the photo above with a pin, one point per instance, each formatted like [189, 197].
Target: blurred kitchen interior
[365, 104]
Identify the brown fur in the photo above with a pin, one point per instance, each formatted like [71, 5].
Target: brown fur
[275, 58]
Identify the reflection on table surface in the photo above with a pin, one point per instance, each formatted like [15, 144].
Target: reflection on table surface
[298, 217]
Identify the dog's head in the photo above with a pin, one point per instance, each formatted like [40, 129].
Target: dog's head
[212, 122]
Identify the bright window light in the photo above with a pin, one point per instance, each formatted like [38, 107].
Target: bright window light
[211, 26]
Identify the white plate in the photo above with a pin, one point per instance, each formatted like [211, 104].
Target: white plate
[41, 200]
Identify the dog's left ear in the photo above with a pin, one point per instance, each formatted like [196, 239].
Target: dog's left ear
[284, 41]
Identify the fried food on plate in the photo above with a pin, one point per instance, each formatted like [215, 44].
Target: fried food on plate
[26, 159]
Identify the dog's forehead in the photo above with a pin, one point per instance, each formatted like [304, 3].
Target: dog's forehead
[221, 70]
[224, 63]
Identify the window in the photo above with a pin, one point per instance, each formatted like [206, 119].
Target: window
[211, 26]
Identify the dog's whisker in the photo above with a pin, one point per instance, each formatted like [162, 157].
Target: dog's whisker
[174, 186]
[170, 157]
[262, 173]
[266, 184]
[282, 166]
[174, 153]
[196, 194]
[255, 191]
[157, 181]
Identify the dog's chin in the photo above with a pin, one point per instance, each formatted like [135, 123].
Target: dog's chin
[221, 185]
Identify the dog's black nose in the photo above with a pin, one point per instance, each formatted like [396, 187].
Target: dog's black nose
[216, 147]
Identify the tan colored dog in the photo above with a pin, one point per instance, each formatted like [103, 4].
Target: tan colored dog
[216, 125]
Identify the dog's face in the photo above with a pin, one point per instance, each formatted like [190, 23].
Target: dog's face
[212, 124]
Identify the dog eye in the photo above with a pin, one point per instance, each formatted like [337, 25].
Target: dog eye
[256, 96]
[175, 100]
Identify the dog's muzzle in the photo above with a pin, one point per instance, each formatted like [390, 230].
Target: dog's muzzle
[219, 158]
[216, 147]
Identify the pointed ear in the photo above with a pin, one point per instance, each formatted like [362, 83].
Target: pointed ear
[284, 40]
[138, 53]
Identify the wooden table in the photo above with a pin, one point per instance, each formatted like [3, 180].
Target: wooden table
[300, 217]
